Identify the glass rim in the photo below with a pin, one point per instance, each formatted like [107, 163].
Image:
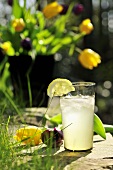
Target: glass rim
[83, 83]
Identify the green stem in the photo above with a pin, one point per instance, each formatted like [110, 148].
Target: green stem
[29, 90]
[46, 117]
[24, 4]
[7, 124]
[78, 50]
[28, 79]
[13, 104]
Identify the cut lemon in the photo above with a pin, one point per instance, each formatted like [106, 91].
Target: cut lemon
[59, 87]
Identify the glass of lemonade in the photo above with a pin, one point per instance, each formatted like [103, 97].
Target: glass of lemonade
[77, 109]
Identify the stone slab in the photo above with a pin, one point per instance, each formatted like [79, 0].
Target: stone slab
[99, 158]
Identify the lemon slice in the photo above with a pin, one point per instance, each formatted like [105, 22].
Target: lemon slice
[59, 87]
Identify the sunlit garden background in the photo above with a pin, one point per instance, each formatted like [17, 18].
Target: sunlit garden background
[100, 40]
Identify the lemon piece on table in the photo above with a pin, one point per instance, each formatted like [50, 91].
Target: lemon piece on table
[59, 87]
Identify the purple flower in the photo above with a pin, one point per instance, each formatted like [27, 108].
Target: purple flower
[26, 44]
[10, 2]
[52, 137]
[65, 8]
[78, 9]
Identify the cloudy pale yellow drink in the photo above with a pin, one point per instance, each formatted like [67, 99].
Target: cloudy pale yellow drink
[77, 119]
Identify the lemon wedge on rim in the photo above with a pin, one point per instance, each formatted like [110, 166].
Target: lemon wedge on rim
[59, 87]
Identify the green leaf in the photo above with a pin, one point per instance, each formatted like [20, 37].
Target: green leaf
[17, 9]
[77, 37]
[4, 77]
[48, 40]
[99, 127]
[71, 50]
[57, 119]
[41, 20]
[55, 49]
[60, 24]
[29, 18]
[56, 41]
[66, 40]
[11, 51]
[108, 128]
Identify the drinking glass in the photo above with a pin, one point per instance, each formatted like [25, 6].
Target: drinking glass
[77, 108]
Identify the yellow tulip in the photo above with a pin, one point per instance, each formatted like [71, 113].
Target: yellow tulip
[89, 59]
[52, 9]
[29, 135]
[18, 24]
[6, 46]
[86, 26]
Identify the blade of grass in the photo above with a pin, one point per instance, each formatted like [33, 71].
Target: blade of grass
[13, 105]
[29, 90]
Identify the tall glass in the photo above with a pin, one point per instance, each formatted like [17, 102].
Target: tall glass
[77, 109]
